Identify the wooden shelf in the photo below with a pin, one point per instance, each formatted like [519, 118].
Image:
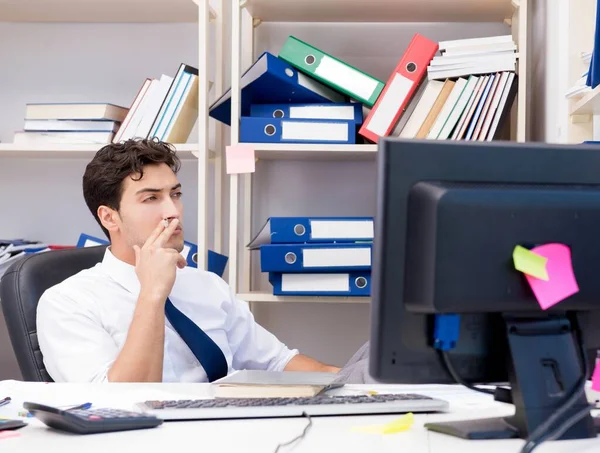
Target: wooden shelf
[268, 297]
[380, 10]
[589, 104]
[100, 11]
[74, 151]
[278, 151]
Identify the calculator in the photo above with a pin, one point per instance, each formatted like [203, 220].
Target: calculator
[91, 421]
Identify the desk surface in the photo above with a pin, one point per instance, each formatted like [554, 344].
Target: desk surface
[328, 434]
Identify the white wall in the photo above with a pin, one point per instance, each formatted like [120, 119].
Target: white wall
[106, 63]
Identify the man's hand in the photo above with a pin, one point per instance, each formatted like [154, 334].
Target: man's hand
[156, 265]
[303, 363]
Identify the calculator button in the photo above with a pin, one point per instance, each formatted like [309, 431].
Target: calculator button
[94, 417]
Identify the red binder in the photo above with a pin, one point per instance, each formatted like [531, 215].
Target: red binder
[399, 89]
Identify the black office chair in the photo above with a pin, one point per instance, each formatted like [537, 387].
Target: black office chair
[20, 290]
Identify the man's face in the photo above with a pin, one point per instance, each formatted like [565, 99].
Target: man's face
[148, 201]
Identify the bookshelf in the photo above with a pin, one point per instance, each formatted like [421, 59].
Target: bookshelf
[75, 151]
[577, 23]
[512, 13]
[207, 15]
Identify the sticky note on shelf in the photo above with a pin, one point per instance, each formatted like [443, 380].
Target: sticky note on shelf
[561, 281]
[240, 159]
[396, 426]
[530, 263]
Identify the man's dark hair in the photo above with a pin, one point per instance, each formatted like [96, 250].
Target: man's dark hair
[104, 175]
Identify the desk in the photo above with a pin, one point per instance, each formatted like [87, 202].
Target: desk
[328, 434]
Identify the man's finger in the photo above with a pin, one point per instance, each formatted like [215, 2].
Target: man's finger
[136, 249]
[181, 262]
[159, 229]
[166, 234]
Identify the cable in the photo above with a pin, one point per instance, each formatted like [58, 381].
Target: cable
[561, 429]
[299, 437]
[536, 437]
[458, 379]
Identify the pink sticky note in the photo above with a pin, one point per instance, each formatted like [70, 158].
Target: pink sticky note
[561, 281]
[596, 378]
[240, 159]
[8, 434]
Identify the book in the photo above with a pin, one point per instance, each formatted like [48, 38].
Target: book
[265, 384]
[76, 111]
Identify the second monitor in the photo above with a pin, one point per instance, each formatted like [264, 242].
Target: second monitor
[449, 216]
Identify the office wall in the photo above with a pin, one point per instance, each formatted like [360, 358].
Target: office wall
[107, 62]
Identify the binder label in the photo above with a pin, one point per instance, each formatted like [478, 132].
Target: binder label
[347, 77]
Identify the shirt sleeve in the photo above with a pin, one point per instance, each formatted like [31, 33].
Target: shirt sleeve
[252, 346]
[74, 345]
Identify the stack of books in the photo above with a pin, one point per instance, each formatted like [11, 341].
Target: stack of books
[458, 89]
[165, 108]
[468, 93]
[13, 250]
[80, 123]
[580, 87]
[317, 256]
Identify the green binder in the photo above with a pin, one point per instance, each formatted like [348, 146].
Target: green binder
[331, 71]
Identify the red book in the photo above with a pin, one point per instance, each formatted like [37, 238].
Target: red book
[399, 89]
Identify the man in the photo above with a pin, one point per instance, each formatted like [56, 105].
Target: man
[141, 315]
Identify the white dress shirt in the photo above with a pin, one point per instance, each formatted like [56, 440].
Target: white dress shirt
[82, 325]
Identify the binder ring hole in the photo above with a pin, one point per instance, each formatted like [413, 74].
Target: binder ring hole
[195, 258]
[270, 130]
[299, 230]
[290, 258]
[278, 113]
[289, 72]
[310, 59]
[361, 282]
[411, 67]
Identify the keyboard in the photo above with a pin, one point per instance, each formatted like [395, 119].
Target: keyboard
[225, 408]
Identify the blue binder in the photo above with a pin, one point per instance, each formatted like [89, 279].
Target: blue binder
[335, 257]
[283, 130]
[216, 261]
[352, 284]
[351, 111]
[272, 80]
[285, 230]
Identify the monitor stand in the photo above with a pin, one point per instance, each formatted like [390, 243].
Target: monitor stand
[546, 366]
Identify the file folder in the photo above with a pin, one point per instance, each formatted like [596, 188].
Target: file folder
[285, 230]
[400, 88]
[351, 284]
[331, 71]
[216, 262]
[335, 257]
[332, 111]
[270, 80]
[279, 130]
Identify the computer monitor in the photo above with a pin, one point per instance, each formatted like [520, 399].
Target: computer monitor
[448, 217]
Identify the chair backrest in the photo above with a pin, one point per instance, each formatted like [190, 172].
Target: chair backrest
[20, 290]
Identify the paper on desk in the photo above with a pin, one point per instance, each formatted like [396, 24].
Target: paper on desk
[240, 159]
[530, 263]
[561, 283]
[396, 426]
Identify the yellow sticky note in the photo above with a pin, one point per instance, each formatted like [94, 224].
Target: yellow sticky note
[396, 426]
[240, 159]
[530, 263]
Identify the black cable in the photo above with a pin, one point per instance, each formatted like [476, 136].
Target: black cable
[536, 437]
[458, 379]
[300, 436]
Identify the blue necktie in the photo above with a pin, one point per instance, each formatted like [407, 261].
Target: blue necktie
[204, 348]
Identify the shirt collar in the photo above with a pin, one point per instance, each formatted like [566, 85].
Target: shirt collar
[123, 273]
